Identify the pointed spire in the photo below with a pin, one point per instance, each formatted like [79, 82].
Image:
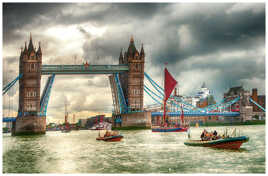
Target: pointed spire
[121, 57]
[121, 54]
[131, 39]
[21, 52]
[30, 46]
[25, 47]
[142, 50]
[131, 49]
[39, 49]
[203, 85]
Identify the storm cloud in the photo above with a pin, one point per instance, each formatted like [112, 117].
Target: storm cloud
[221, 44]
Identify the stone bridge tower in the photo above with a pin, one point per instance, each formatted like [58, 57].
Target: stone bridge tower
[246, 109]
[133, 81]
[28, 120]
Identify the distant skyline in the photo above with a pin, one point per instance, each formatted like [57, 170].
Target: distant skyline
[221, 44]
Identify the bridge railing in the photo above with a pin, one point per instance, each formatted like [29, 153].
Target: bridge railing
[121, 97]
[250, 99]
[177, 101]
[195, 114]
[46, 95]
[83, 69]
[11, 84]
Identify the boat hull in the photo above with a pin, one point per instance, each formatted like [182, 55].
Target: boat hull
[111, 138]
[178, 129]
[227, 143]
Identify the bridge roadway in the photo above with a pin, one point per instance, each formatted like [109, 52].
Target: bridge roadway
[171, 114]
[195, 114]
[83, 69]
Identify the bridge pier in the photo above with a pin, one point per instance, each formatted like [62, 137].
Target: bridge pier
[137, 119]
[29, 125]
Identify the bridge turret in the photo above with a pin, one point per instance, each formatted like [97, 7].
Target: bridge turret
[131, 52]
[30, 83]
[30, 46]
[142, 51]
[132, 82]
[121, 59]
[135, 78]
[39, 52]
[25, 48]
[28, 120]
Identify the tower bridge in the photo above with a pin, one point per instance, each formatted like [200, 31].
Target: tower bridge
[127, 86]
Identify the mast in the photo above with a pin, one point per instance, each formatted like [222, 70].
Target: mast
[66, 114]
[164, 81]
[182, 115]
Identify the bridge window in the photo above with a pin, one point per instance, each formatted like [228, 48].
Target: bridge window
[136, 92]
[27, 93]
[30, 106]
[28, 68]
[33, 93]
[30, 93]
[136, 81]
[33, 67]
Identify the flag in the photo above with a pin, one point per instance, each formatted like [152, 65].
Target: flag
[170, 84]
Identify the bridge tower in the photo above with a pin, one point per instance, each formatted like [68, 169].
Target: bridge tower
[133, 81]
[28, 120]
[246, 109]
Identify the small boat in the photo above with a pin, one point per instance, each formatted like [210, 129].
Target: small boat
[109, 136]
[223, 143]
[234, 141]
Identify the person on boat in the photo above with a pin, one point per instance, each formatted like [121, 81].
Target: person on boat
[214, 135]
[208, 136]
[203, 135]
[107, 134]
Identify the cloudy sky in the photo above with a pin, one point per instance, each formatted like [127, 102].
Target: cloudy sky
[220, 44]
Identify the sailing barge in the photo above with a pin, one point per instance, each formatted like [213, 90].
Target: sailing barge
[170, 84]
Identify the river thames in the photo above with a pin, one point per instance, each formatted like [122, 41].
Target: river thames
[140, 151]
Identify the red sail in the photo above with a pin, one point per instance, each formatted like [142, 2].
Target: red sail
[170, 84]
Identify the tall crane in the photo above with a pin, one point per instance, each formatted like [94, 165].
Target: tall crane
[66, 113]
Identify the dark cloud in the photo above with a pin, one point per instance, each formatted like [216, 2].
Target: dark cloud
[221, 31]
[17, 16]
[221, 44]
[36, 15]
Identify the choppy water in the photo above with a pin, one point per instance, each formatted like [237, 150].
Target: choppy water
[139, 152]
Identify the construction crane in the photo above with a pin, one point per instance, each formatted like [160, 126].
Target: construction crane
[66, 113]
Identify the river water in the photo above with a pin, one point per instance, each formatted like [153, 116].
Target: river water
[140, 151]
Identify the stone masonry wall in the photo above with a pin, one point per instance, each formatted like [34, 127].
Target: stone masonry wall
[30, 125]
[142, 119]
